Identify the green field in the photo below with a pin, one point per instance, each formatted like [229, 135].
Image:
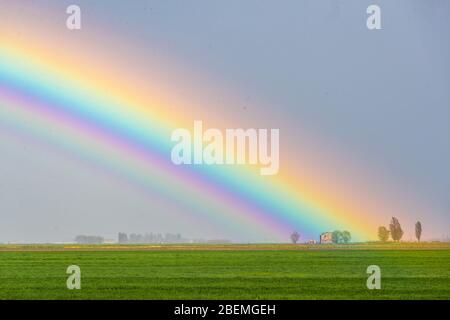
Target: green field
[226, 272]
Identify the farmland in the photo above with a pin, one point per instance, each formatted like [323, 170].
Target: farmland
[409, 271]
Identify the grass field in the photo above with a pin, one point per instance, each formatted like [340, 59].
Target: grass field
[409, 271]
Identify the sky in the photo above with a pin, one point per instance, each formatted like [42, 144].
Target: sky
[363, 116]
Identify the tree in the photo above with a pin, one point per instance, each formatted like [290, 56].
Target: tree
[336, 236]
[294, 237]
[383, 234]
[418, 230]
[396, 229]
[82, 239]
[346, 236]
[123, 238]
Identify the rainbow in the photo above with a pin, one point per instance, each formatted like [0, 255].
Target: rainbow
[105, 124]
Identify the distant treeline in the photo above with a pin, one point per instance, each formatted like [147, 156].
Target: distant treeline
[89, 239]
[150, 238]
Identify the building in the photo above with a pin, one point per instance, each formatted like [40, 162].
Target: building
[326, 237]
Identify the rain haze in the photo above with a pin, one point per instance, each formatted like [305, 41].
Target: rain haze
[379, 97]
